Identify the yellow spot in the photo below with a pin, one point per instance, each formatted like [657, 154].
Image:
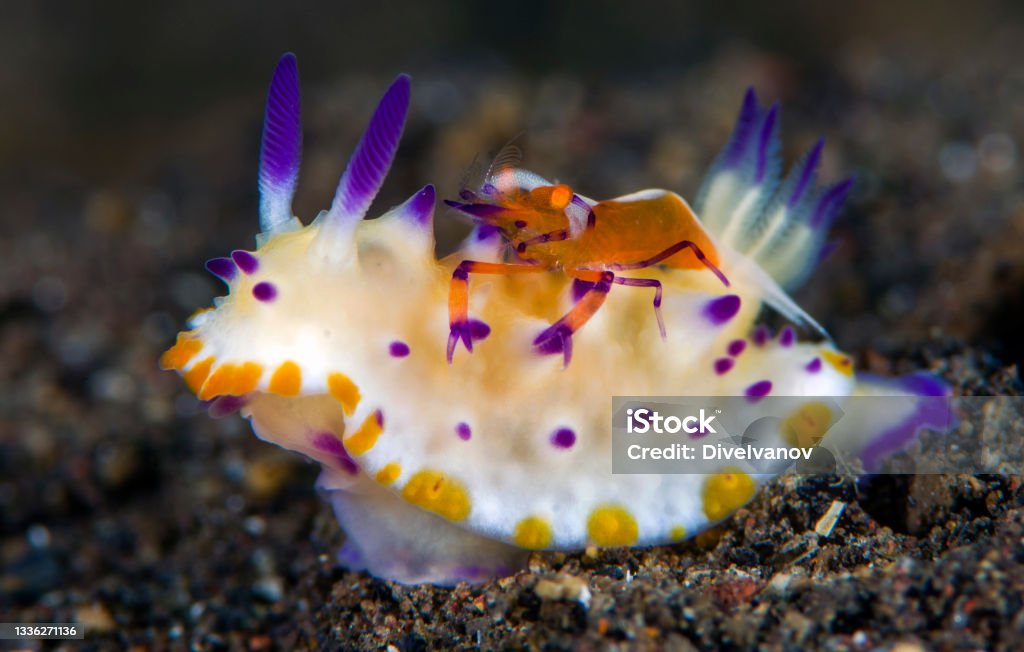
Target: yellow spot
[364, 439]
[533, 532]
[807, 424]
[389, 473]
[436, 492]
[287, 380]
[839, 361]
[677, 533]
[247, 378]
[726, 492]
[196, 376]
[220, 382]
[612, 525]
[560, 197]
[183, 350]
[344, 391]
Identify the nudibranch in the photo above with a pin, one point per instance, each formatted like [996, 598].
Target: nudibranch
[334, 342]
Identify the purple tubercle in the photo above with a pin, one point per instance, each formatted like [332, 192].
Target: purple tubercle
[328, 443]
[761, 335]
[223, 268]
[737, 347]
[484, 232]
[421, 206]
[787, 337]
[745, 125]
[814, 366]
[373, 156]
[281, 149]
[246, 262]
[264, 291]
[721, 310]
[463, 430]
[563, 438]
[759, 390]
[829, 204]
[398, 349]
[767, 132]
[723, 365]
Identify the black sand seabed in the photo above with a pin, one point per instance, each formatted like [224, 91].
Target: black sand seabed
[124, 509]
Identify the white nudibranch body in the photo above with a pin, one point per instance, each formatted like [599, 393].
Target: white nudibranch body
[332, 341]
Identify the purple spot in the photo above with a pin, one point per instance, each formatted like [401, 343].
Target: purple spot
[376, 149]
[463, 430]
[814, 366]
[563, 438]
[328, 443]
[379, 416]
[224, 268]
[245, 261]
[723, 365]
[761, 335]
[759, 390]
[579, 288]
[520, 224]
[264, 291]
[486, 232]
[720, 310]
[787, 337]
[399, 349]
[229, 404]
[736, 347]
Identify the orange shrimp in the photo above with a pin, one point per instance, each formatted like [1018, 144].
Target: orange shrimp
[553, 228]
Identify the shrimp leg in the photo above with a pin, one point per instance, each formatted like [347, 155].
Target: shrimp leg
[557, 338]
[668, 253]
[646, 283]
[458, 301]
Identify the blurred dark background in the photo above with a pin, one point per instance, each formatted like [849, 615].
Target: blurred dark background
[128, 156]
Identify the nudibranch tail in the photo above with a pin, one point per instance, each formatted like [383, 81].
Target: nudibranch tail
[281, 148]
[779, 225]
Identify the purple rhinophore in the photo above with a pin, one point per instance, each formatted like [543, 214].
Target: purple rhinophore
[810, 164]
[281, 148]
[264, 291]
[246, 262]
[722, 365]
[787, 337]
[373, 156]
[761, 335]
[580, 287]
[767, 131]
[328, 443]
[814, 366]
[398, 349]
[719, 311]
[421, 206]
[223, 268]
[759, 390]
[737, 347]
[463, 430]
[745, 125]
[829, 204]
[563, 438]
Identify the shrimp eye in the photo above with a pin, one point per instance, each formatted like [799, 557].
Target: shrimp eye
[560, 197]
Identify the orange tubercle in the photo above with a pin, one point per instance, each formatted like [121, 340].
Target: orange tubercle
[184, 349]
[196, 376]
[344, 391]
[287, 380]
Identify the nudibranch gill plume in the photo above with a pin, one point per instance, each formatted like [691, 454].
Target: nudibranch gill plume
[336, 340]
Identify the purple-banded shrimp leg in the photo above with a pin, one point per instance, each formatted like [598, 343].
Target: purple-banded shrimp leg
[647, 283]
[671, 251]
[462, 327]
[557, 338]
[553, 236]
